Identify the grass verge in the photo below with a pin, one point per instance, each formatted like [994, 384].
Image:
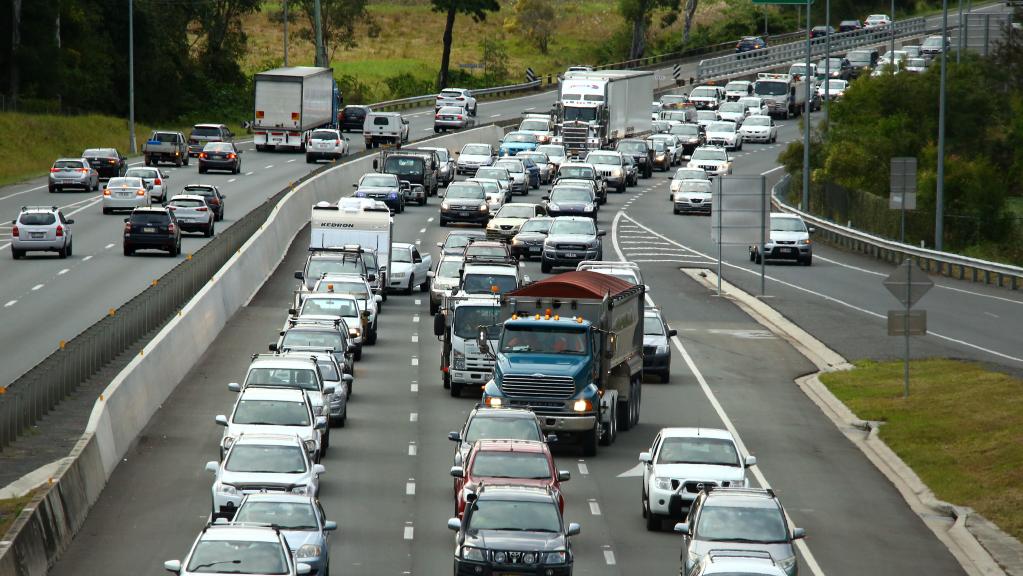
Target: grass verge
[10, 508]
[960, 430]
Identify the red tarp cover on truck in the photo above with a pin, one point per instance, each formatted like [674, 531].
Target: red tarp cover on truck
[578, 285]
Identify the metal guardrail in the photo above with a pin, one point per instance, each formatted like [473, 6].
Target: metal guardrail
[933, 261]
[774, 57]
[428, 100]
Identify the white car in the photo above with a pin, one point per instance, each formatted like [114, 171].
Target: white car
[358, 287]
[125, 194]
[681, 463]
[555, 153]
[326, 144]
[737, 89]
[755, 105]
[331, 306]
[875, 20]
[724, 133]
[409, 268]
[154, 178]
[733, 112]
[460, 97]
[683, 174]
[192, 213]
[539, 125]
[266, 552]
[693, 196]
[760, 128]
[274, 410]
[836, 89]
[496, 194]
[473, 156]
[712, 159]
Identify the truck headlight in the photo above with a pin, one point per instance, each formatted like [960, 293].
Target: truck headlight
[662, 483]
[227, 490]
[786, 564]
[459, 360]
[473, 554]
[310, 445]
[582, 405]
[301, 490]
[308, 551]
[662, 349]
[559, 557]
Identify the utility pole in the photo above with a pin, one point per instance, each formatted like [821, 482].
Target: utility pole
[939, 197]
[892, 45]
[806, 118]
[321, 56]
[285, 33]
[959, 49]
[827, 63]
[131, 78]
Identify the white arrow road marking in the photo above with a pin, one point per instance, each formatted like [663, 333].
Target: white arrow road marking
[636, 470]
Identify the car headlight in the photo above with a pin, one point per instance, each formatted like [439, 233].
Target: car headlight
[500, 557]
[559, 557]
[662, 349]
[786, 564]
[392, 194]
[473, 554]
[588, 208]
[660, 156]
[445, 206]
[301, 490]
[459, 360]
[805, 241]
[662, 483]
[227, 442]
[676, 185]
[551, 206]
[360, 194]
[693, 558]
[227, 489]
[310, 445]
[484, 207]
[617, 172]
[398, 274]
[317, 410]
[516, 241]
[308, 551]
[354, 332]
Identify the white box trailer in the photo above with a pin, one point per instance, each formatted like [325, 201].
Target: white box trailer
[333, 226]
[290, 102]
[596, 109]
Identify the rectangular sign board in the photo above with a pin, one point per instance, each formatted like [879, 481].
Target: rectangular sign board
[897, 322]
[744, 210]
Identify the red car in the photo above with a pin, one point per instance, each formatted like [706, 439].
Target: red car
[508, 462]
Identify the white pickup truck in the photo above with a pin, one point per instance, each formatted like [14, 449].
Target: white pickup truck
[409, 268]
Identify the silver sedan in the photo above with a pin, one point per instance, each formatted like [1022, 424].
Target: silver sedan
[452, 118]
[125, 193]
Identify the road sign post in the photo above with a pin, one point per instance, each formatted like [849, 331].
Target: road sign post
[908, 284]
[740, 210]
[903, 190]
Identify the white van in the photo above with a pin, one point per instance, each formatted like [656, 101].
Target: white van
[385, 128]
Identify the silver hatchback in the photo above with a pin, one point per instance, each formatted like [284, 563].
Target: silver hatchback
[73, 173]
[41, 228]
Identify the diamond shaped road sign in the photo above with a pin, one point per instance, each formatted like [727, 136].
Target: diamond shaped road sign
[908, 283]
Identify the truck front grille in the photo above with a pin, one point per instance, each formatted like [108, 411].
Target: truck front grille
[535, 386]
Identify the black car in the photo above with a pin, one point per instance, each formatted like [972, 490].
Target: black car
[570, 201]
[512, 530]
[656, 345]
[107, 161]
[152, 228]
[849, 25]
[352, 118]
[214, 198]
[528, 242]
[220, 156]
[465, 202]
[749, 43]
[839, 68]
[641, 152]
[821, 31]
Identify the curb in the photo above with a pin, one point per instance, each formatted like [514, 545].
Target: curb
[964, 545]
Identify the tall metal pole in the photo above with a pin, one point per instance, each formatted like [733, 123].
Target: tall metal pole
[131, 78]
[765, 215]
[959, 22]
[892, 45]
[321, 57]
[939, 197]
[721, 232]
[827, 62]
[806, 118]
[285, 32]
[905, 323]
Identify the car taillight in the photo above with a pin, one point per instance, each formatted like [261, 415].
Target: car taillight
[158, 182]
[170, 227]
[459, 98]
[60, 230]
[14, 232]
[84, 170]
[214, 200]
[459, 116]
[436, 116]
[202, 209]
[140, 192]
[202, 154]
[111, 161]
[54, 169]
[337, 142]
[106, 191]
[127, 227]
[232, 156]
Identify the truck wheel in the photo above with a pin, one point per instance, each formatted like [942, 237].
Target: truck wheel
[545, 266]
[148, 161]
[425, 286]
[589, 442]
[447, 380]
[612, 428]
[624, 414]
[177, 163]
[456, 388]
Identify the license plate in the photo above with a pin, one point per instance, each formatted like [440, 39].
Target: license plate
[148, 229]
[787, 250]
[275, 139]
[571, 255]
[124, 194]
[534, 248]
[38, 234]
[464, 213]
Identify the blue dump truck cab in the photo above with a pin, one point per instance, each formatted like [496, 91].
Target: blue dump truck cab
[571, 350]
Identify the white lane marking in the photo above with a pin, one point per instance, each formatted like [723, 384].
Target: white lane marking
[804, 550]
[415, 337]
[418, 301]
[775, 169]
[410, 488]
[413, 416]
[824, 296]
[63, 271]
[494, 115]
[10, 303]
[249, 173]
[594, 508]
[411, 448]
[108, 246]
[530, 108]
[37, 287]
[290, 161]
[231, 180]
[415, 361]
[87, 258]
[414, 387]
[992, 315]
[409, 532]
[609, 557]
[583, 469]
[636, 470]
[422, 230]
[427, 129]
[430, 219]
[415, 318]
[268, 166]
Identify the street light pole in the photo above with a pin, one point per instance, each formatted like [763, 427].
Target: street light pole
[285, 33]
[131, 78]
[939, 197]
[959, 49]
[806, 118]
[827, 63]
[321, 57]
[892, 44]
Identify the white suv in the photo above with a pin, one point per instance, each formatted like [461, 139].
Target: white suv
[326, 143]
[274, 410]
[41, 228]
[265, 549]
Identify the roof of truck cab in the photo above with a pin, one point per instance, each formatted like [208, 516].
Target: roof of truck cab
[293, 71]
[576, 284]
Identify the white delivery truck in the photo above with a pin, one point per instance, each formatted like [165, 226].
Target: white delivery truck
[372, 230]
[783, 94]
[457, 326]
[596, 109]
[292, 102]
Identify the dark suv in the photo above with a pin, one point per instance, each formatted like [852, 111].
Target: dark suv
[485, 423]
[465, 202]
[152, 228]
[512, 530]
[641, 152]
[351, 118]
[738, 519]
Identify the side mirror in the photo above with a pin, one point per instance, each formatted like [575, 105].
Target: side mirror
[299, 275]
[234, 387]
[272, 347]
[440, 244]
[318, 469]
[798, 533]
[811, 229]
[321, 423]
[573, 529]
[126, 220]
[220, 419]
[454, 524]
[356, 185]
[173, 566]
[547, 198]
[70, 221]
[301, 569]
[601, 232]
[672, 332]
[682, 528]
[347, 378]
[751, 461]
[375, 164]
[292, 311]
[328, 390]
[430, 274]
[646, 457]
[552, 438]
[454, 436]
[378, 299]
[438, 325]
[481, 339]
[564, 475]
[457, 472]
[329, 526]
[371, 278]
[212, 467]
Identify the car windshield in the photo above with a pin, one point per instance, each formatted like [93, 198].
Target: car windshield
[464, 190]
[69, 164]
[200, 190]
[513, 167]
[37, 218]
[324, 135]
[570, 195]
[580, 172]
[476, 150]
[452, 94]
[492, 189]
[732, 107]
[442, 153]
[205, 131]
[149, 218]
[328, 370]
[468, 320]
[381, 180]
[313, 338]
[760, 120]
[142, 173]
[770, 88]
[706, 115]
[652, 326]
[714, 451]
[932, 42]
[451, 111]
[484, 428]
[695, 186]
[604, 159]
[511, 211]
[319, 266]
[401, 255]
[124, 183]
[330, 307]
[736, 86]
[840, 84]
[532, 466]
[710, 154]
[271, 413]
[741, 524]
[99, 153]
[585, 227]
[912, 63]
[858, 57]
[492, 173]
[303, 378]
[552, 151]
[787, 225]
[537, 125]
[674, 99]
[449, 268]
[489, 283]
[485, 251]
[703, 92]
[689, 173]
[517, 515]
[797, 69]
[685, 130]
[237, 557]
[632, 147]
[579, 114]
[404, 166]
[285, 515]
[266, 459]
[536, 225]
[218, 147]
[543, 340]
[343, 287]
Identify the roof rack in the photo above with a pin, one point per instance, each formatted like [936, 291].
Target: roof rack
[488, 259]
[739, 553]
[741, 490]
[24, 208]
[304, 320]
